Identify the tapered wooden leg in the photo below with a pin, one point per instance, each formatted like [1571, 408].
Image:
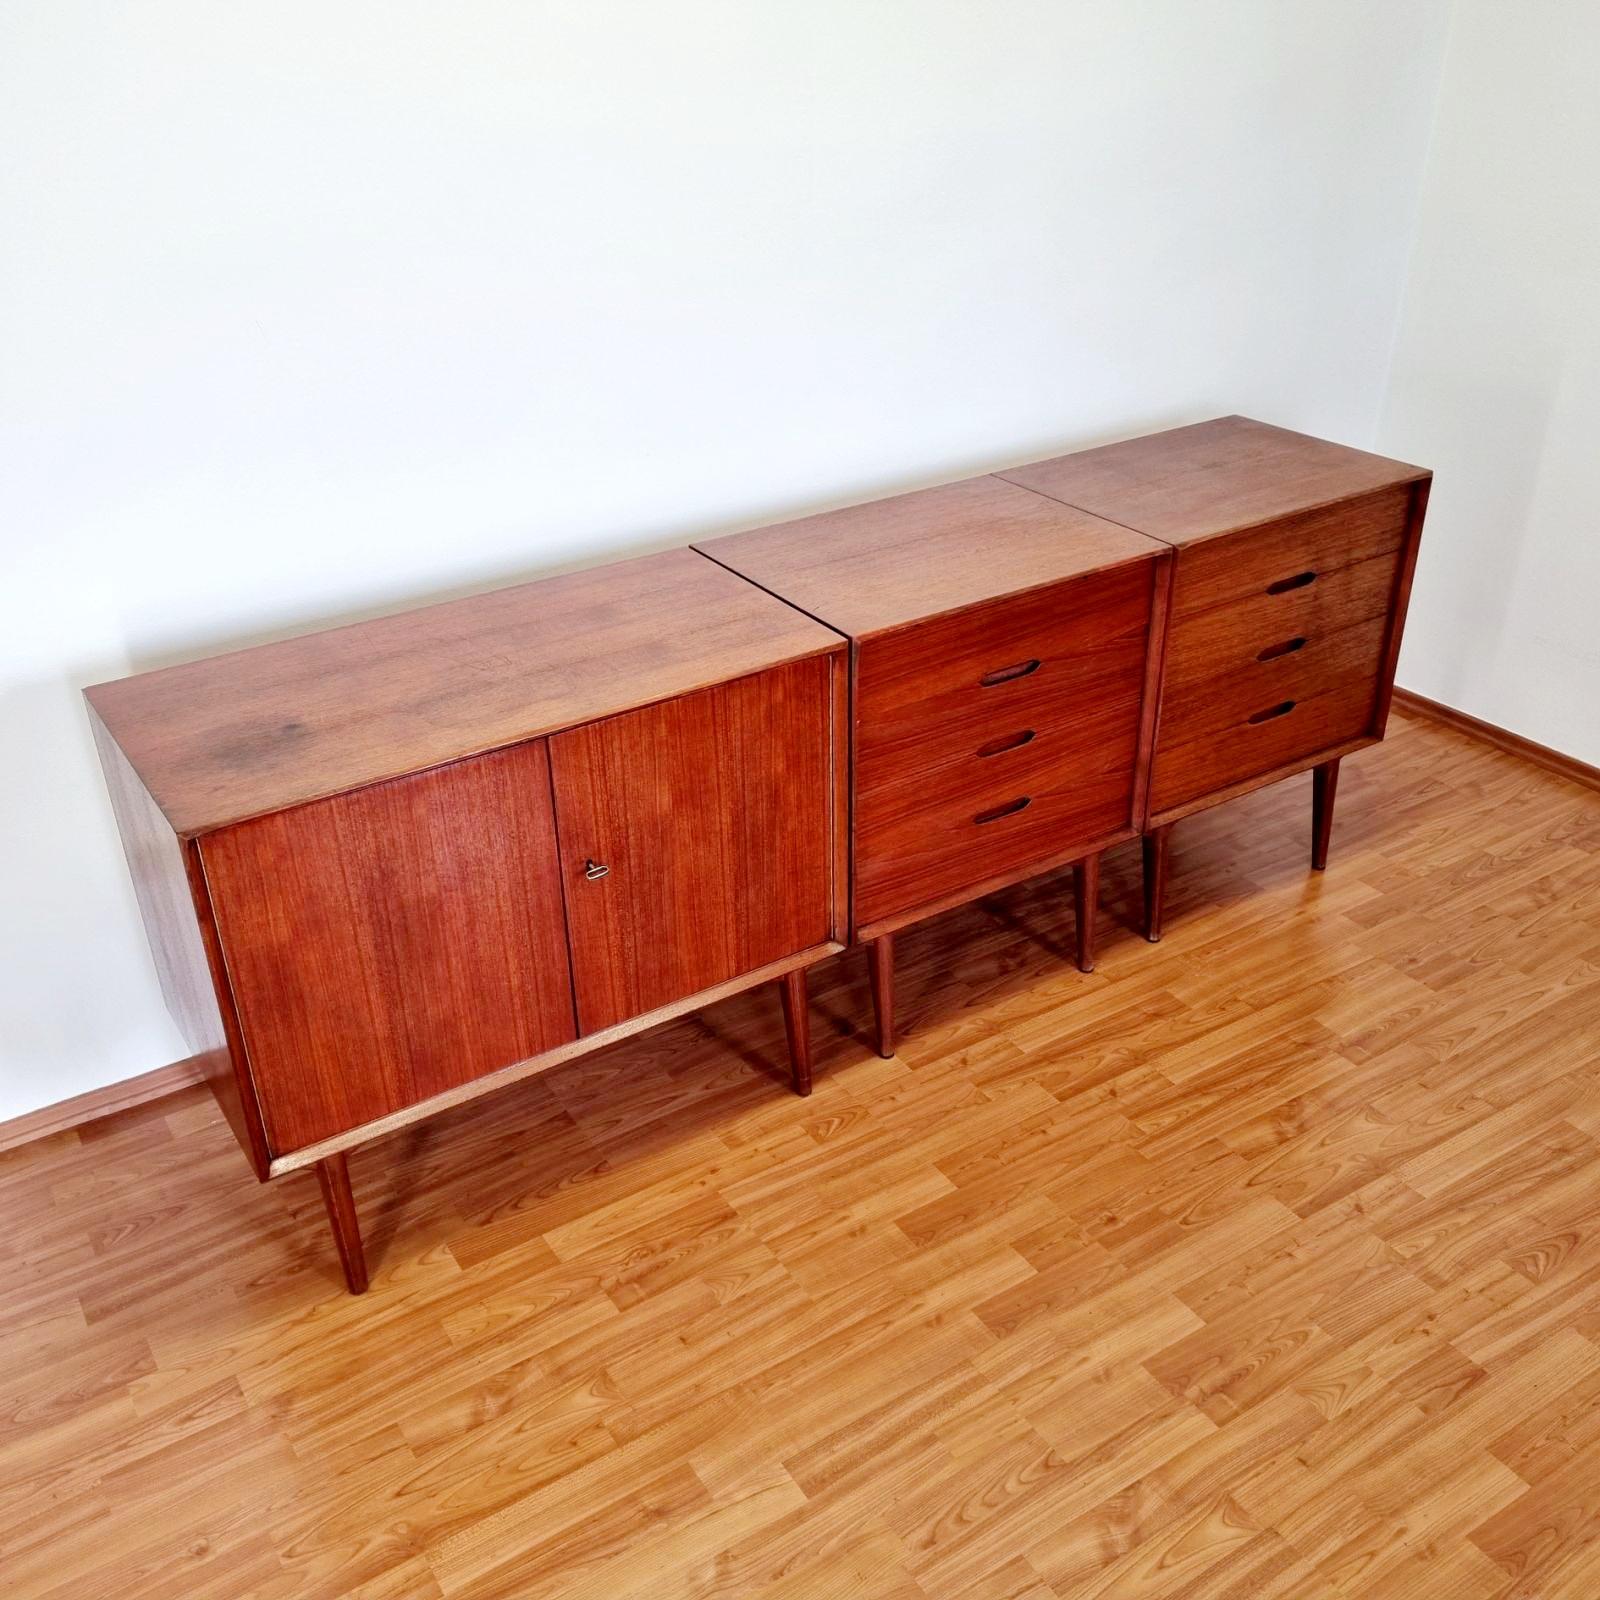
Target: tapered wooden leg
[797, 1023]
[880, 963]
[1324, 785]
[1155, 880]
[1085, 902]
[333, 1174]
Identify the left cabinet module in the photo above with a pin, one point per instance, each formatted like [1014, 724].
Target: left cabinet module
[391, 866]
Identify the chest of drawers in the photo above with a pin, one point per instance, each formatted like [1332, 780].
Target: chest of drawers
[395, 865]
[1293, 566]
[1004, 665]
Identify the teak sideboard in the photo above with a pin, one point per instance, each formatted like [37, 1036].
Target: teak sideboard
[392, 866]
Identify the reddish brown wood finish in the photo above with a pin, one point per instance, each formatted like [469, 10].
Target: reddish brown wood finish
[1294, 560]
[1324, 786]
[960, 781]
[390, 866]
[1154, 672]
[797, 1027]
[1272, 558]
[880, 968]
[1002, 655]
[696, 839]
[259, 730]
[573, 1050]
[1417, 511]
[177, 920]
[1085, 905]
[333, 1178]
[1276, 713]
[1193, 483]
[870, 568]
[1005, 662]
[392, 943]
[1155, 879]
[1232, 638]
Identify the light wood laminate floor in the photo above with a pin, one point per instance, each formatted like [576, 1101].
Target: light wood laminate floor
[1263, 1262]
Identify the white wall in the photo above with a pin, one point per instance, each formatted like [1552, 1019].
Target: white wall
[1496, 381]
[309, 310]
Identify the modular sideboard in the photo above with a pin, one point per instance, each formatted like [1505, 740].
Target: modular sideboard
[1006, 655]
[1294, 560]
[392, 866]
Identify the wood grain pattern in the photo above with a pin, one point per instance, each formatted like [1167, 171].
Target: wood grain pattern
[1230, 638]
[1191, 484]
[709, 817]
[797, 1027]
[338, 1200]
[1417, 511]
[90, 1106]
[1541, 755]
[1194, 766]
[1312, 544]
[870, 568]
[389, 944]
[240, 735]
[1261, 1263]
[552, 1060]
[997, 739]
[175, 909]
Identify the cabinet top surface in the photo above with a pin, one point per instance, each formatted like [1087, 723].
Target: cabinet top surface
[870, 568]
[258, 730]
[1211, 478]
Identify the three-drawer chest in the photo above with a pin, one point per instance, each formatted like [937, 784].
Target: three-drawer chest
[1294, 560]
[395, 865]
[1005, 655]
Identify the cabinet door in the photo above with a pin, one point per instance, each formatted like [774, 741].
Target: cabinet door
[695, 839]
[390, 943]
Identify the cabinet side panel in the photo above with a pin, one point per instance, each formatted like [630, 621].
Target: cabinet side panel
[708, 823]
[1416, 514]
[175, 912]
[389, 944]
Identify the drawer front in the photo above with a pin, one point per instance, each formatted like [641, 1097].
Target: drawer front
[996, 738]
[1215, 707]
[1275, 645]
[1281, 557]
[1262, 627]
[1027, 811]
[1329, 716]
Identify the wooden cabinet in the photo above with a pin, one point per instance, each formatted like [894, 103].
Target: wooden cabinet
[396, 865]
[1004, 666]
[390, 866]
[1293, 567]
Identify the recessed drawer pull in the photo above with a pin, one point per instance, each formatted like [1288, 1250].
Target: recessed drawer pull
[1015, 741]
[1006, 674]
[1281, 710]
[1298, 581]
[1009, 809]
[1287, 648]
